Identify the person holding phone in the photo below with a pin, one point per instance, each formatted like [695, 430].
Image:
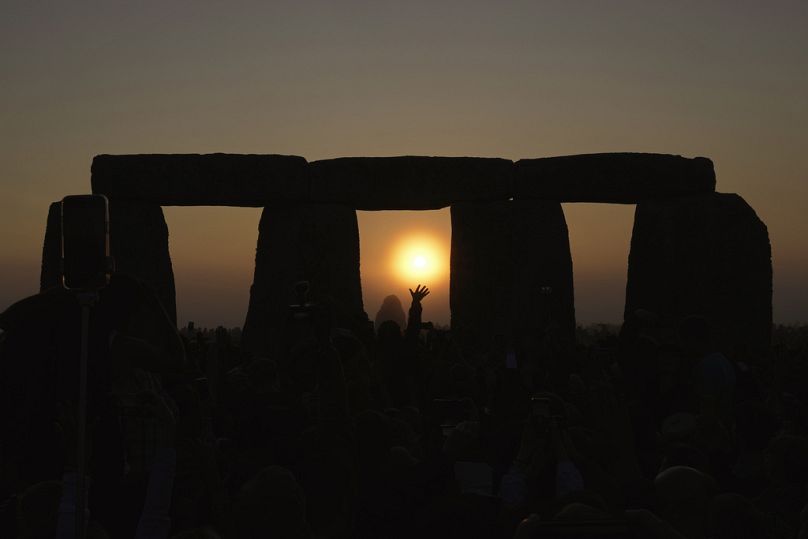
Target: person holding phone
[127, 329]
[396, 354]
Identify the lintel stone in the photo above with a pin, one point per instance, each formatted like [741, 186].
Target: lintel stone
[410, 182]
[202, 179]
[623, 178]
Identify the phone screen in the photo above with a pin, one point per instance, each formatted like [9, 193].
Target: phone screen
[85, 242]
[510, 359]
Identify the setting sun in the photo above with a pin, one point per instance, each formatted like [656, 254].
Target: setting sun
[419, 258]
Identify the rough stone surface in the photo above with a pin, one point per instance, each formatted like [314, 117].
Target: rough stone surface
[707, 255]
[318, 243]
[410, 183]
[138, 243]
[52, 248]
[211, 179]
[396, 183]
[503, 255]
[612, 177]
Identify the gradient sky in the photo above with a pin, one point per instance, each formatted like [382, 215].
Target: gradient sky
[727, 80]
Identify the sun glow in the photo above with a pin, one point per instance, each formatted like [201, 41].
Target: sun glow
[418, 258]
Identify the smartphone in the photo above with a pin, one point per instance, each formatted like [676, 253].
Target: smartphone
[510, 359]
[85, 257]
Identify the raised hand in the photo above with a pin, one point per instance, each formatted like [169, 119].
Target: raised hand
[419, 293]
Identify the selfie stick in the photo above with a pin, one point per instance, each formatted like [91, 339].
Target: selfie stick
[87, 297]
[87, 300]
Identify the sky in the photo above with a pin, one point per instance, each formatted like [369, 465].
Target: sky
[726, 80]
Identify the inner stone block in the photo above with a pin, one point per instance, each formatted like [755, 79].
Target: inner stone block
[52, 249]
[511, 272]
[410, 183]
[625, 178]
[318, 243]
[704, 255]
[202, 180]
[139, 244]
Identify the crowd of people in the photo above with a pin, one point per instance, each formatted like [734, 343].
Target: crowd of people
[393, 429]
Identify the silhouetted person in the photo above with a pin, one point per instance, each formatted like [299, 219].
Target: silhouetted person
[713, 374]
[131, 339]
[391, 310]
[396, 352]
[272, 504]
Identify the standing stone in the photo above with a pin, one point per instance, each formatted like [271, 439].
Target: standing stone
[52, 249]
[511, 271]
[138, 244]
[318, 243]
[707, 255]
[138, 240]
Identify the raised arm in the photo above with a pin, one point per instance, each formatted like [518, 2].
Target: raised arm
[414, 318]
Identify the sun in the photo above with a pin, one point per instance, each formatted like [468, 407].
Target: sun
[418, 258]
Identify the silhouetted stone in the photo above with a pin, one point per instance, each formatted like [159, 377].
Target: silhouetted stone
[707, 255]
[138, 243]
[52, 249]
[210, 179]
[410, 183]
[511, 271]
[318, 243]
[612, 177]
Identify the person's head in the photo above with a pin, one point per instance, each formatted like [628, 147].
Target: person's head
[390, 309]
[197, 533]
[190, 420]
[577, 511]
[786, 460]
[263, 376]
[462, 439]
[351, 352]
[682, 496]
[463, 380]
[732, 516]
[668, 362]
[401, 465]
[373, 435]
[37, 510]
[272, 504]
[679, 427]
[577, 502]
[682, 454]
[303, 366]
[755, 425]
